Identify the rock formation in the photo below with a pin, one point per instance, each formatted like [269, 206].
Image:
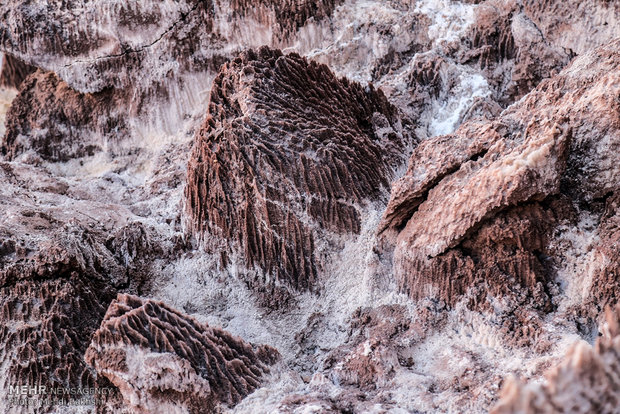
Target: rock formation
[480, 206]
[57, 123]
[511, 51]
[160, 359]
[586, 381]
[60, 267]
[234, 159]
[288, 155]
[575, 25]
[114, 44]
[46, 328]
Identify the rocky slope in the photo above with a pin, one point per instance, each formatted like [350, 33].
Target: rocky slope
[161, 360]
[409, 203]
[288, 156]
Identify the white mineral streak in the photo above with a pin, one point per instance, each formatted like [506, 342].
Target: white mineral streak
[6, 97]
[579, 259]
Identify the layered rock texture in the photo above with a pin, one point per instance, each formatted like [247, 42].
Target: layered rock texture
[408, 202]
[60, 267]
[288, 155]
[162, 360]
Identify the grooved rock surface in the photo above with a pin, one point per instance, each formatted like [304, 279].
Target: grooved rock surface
[161, 359]
[62, 259]
[288, 155]
[498, 250]
[479, 206]
[585, 381]
[46, 327]
[575, 25]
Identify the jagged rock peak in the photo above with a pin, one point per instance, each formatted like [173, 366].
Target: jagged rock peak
[158, 357]
[287, 152]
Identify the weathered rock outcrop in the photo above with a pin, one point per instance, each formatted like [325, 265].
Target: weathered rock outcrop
[504, 234]
[573, 24]
[57, 123]
[62, 260]
[378, 347]
[46, 327]
[606, 284]
[510, 50]
[479, 206]
[586, 381]
[161, 359]
[289, 154]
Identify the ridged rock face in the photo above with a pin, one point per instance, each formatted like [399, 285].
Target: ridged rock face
[60, 267]
[289, 154]
[162, 360]
[478, 208]
[284, 16]
[57, 123]
[46, 327]
[586, 381]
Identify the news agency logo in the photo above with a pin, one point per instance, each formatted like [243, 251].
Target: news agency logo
[36, 390]
[39, 396]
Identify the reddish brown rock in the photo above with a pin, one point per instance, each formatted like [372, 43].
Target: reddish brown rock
[585, 381]
[45, 330]
[289, 155]
[62, 261]
[162, 359]
[517, 44]
[477, 208]
[377, 348]
[575, 25]
[58, 123]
